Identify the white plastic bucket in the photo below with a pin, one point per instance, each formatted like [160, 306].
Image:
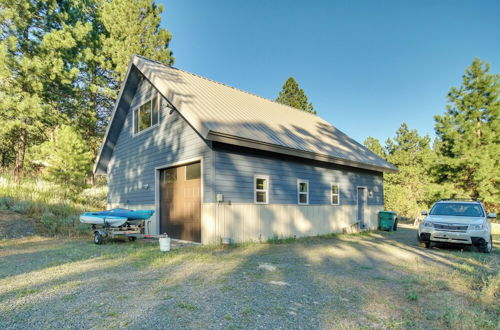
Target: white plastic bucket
[164, 243]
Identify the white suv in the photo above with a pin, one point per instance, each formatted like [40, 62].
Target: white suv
[457, 222]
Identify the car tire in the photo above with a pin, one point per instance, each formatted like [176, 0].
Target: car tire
[423, 243]
[488, 247]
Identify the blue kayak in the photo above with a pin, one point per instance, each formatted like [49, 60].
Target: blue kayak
[129, 214]
[115, 217]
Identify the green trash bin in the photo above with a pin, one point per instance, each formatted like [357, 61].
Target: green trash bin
[387, 220]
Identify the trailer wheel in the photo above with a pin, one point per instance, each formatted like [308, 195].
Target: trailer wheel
[131, 238]
[98, 239]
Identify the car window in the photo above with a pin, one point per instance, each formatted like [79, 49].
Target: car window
[458, 209]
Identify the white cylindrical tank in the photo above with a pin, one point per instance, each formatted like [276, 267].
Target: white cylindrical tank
[164, 243]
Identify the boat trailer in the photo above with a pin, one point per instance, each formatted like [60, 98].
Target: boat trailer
[131, 231]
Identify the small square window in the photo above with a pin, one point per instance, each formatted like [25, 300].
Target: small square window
[302, 192]
[261, 196]
[335, 194]
[261, 186]
[193, 171]
[335, 189]
[170, 175]
[303, 198]
[146, 115]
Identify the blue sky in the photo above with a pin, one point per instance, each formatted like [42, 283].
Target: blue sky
[367, 66]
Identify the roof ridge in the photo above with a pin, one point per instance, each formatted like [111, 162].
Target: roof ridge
[235, 88]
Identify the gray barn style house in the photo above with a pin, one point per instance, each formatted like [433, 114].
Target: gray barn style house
[217, 162]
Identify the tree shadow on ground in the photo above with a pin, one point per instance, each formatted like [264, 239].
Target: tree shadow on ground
[344, 281]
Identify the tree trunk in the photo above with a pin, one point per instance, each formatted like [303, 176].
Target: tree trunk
[21, 149]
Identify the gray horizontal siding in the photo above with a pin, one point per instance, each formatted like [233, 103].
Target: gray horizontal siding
[135, 158]
[235, 171]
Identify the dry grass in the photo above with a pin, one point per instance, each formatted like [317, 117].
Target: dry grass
[54, 208]
[380, 280]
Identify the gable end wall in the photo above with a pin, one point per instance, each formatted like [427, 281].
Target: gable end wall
[131, 171]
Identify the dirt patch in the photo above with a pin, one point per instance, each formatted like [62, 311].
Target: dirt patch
[14, 225]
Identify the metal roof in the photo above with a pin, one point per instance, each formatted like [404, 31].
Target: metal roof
[226, 114]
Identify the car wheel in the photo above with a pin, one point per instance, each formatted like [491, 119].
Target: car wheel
[426, 244]
[488, 247]
[131, 238]
[423, 243]
[98, 239]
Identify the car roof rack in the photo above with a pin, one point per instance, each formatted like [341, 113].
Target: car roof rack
[460, 200]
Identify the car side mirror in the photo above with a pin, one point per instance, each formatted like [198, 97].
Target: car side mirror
[492, 215]
[424, 212]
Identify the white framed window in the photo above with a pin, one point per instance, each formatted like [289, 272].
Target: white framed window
[335, 194]
[146, 115]
[302, 192]
[261, 189]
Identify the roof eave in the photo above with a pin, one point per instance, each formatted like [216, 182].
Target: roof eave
[243, 142]
[96, 169]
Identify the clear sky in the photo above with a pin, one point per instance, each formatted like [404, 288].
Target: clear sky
[367, 66]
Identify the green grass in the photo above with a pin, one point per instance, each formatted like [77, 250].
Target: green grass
[54, 208]
[186, 306]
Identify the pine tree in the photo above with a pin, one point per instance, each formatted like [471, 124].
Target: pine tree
[63, 62]
[67, 158]
[406, 192]
[36, 41]
[374, 145]
[468, 135]
[292, 95]
[127, 28]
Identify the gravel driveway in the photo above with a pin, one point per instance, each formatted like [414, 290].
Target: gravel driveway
[375, 280]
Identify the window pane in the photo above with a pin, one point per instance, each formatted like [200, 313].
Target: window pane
[335, 199]
[136, 120]
[154, 118]
[261, 197]
[170, 175]
[261, 184]
[335, 189]
[303, 198]
[193, 171]
[145, 116]
[303, 186]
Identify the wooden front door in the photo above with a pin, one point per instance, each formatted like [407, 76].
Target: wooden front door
[180, 202]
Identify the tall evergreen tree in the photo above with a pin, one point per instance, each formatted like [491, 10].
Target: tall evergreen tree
[121, 28]
[291, 94]
[468, 135]
[63, 61]
[407, 191]
[374, 145]
[36, 43]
